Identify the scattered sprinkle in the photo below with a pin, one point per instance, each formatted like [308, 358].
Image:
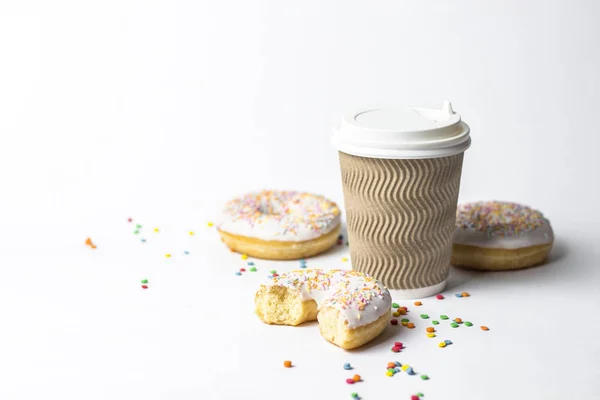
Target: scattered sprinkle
[465, 294]
[287, 364]
[250, 263]
[347, 366]
[391, 365]
[129, 220]
[354, 395]
[458, 295]
[435, 322]
[242, 269]
[168, 255]
[144, 281]
[138, 226]
[191, 233]
[410, 325]
[454, 325]
[156, 230]
[356, 378]
[389, 373]
[410, 371]
[253, 269]
[209, 224]
[424, 316]
[458, 320]
[350, 381]
[405, 367]
[394, 321]
[418, 303]
[448, 342]
[414, 397]
[341, 237]
[396, 349]
[88, 242]
[402, 311]
[430, 329]
[405, 320]
[439, 297]
[244, 256]
[398, 364]
[399, 344]
[420, 394]
[238, 273]
[442, 344]
[144, 286]
[443, 317]
[344, 259]
[395, 305]
[273, 271]
[187, 253]
[424, 377]
[136, 232]
[485, 328]
[467, 323]
[143, 240]
[431, 335]
[396, 314]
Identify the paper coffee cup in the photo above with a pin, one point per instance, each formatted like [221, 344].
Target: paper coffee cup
[401, 173]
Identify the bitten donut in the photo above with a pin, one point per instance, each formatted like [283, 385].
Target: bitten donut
[352, 308]
[280, 225]
[496, 235]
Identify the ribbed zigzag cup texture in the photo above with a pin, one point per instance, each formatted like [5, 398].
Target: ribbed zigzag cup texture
[401, 215]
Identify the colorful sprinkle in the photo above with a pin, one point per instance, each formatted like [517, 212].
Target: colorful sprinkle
[136, 232]
[238, 273]
[389, 373]
[399, 344]
[405, 320]
[287, 364]
[356, 378]
[498, 218]
[143, 240]
[394, 321]
[350, 381]
[458, 320]
[187, 253]
[344, 259]
[129, 220]
[420, 394]
[396, 349]
[410, 325]
[168, 255]
[467, 323]
[458, 295]
[347, 366]
[156, 230]
[443, 317]
[354, 395]
[144, 286]
[395, 305]
[439, 297]
[485, 328]
[410, 371]
[431, 335]
[391, 365]
[191, 233]
[250, 263]
[144, 281]
[430, 329]
[396, 314]
[448, 342]
[465, 294]
[273, 271]
[454, 325]
[242, 269]
[435, 322]
[405, 367]
[402, 311]
[418, 303]
[424, 377]
[424, 316]
[442, 344]
[138, 226]
[244, 256]
[414, 397]
[209, 224]
[253, 269]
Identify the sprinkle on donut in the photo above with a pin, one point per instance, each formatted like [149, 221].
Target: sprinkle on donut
[498, 218]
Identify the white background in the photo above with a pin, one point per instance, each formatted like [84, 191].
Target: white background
[163, 110]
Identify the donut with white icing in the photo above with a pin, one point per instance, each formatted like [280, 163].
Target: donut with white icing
[352, 308]
[497, 235]
[280, 225]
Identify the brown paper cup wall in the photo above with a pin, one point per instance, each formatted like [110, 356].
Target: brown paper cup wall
[400, 215]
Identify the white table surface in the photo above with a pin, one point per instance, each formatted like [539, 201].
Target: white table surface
[162, 110]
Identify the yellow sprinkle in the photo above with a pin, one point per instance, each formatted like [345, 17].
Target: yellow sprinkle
[155, 229]
[191, 233]
[396, 314]
[168, 255]
[344, 259]
[389, 373]
[209, 224]
[244, 256]
[442, 344]
[431, 335]
[405, 367]
[404, 323]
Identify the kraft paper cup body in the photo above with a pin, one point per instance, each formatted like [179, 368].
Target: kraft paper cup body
[401, 206]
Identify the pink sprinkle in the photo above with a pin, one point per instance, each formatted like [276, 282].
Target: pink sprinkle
[439, 297]
[144, 286]
[414, 397]
[350, 381]
[242, 269]
[394, 321]
[396, 349]
[399, 344]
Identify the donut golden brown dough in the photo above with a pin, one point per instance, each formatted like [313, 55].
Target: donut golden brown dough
[496, 235]
[352, 308]
[280, 225]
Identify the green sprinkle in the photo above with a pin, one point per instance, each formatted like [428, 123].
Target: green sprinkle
[253, 269]
[424, 316]
[273, 271]
[443, 317]
[136, 232]
[392, 370]
[354, 395]
[138, 226]
[404, 320]
[424, 377]
[420, 394]
[144, 280]
[454, 325]
[434, 322]
[395, 305]
[467, 323]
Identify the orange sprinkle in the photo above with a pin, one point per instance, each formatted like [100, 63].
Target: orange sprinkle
[287, 364]
[356, 378]
[88, 241]
[418, 303]
[465, 294]
[93, 246]
[402, 311]
[410, 325]
[430, 329]
[485, 328]
[458, 320]
[391, 365]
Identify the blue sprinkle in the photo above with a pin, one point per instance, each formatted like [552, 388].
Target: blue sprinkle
[270, 276]
[238, 273]
[447, 341]
[341, 237]
[143, 240]
[397, 369]
[303, 266]
[410, 371]
[347, 366]
[187, 253]
[250, 263]
[398, 363]
[458, 295]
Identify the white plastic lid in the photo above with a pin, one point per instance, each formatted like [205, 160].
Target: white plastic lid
[402, 133]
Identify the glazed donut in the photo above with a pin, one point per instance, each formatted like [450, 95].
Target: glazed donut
[280, 225]
[496, 235]
[352, 308]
